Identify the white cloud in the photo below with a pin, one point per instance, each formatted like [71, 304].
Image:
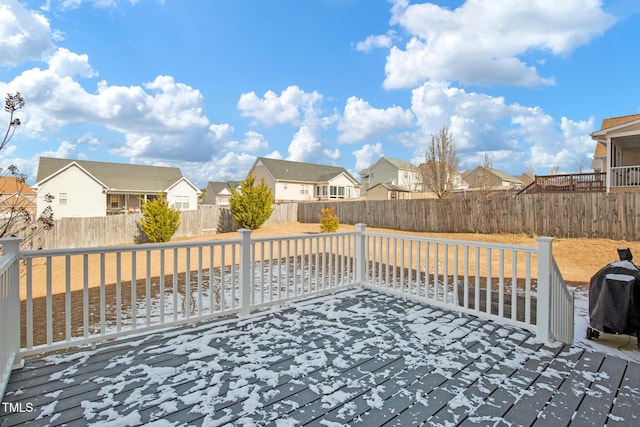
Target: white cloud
[367, 156]
[24, 34]
[376, 41]
[306, 147]
[514, 134]
[161, 119]
[65, 63]
[221, 132]
[293, 106]
[482, 41]
[361, 121]
[100, 4]
[253, 141]
[230, 166]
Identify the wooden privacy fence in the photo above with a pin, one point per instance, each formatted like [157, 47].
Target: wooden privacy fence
[603, 215]
[119, 229]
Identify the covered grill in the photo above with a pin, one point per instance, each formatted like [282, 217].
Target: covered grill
[614, 298]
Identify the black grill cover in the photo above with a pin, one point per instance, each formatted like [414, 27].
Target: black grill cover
[614, 299]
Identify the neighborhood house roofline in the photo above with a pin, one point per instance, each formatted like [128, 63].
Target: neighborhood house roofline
[183, 179]
[632, 120]
[69, 166]
[391, 187]
[116, 177]
[286, 170]
[397, 163]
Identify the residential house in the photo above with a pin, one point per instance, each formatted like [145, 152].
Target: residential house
[218, 193]
[434, 174]
[297, 181]
[391, 171]
[617, 152]
[16, 194]
[383, 191]
[490, 179]
[83, 188]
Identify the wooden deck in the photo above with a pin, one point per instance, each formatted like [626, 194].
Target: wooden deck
[358, 358]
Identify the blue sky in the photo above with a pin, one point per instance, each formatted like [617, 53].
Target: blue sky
[208, 86]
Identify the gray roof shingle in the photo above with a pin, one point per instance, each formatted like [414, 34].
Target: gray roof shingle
[117, 176]
[299, 171]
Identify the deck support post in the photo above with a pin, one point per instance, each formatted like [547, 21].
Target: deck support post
[245, 271]
[543, 313]
[360, 256]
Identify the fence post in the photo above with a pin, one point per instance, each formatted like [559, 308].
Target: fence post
[543, 312]
[360, 254]
[245, 271]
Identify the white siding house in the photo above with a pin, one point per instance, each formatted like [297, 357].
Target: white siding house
[393, 172]
[297, 181]
[83, 188]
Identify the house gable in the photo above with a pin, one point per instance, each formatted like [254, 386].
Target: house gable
[297, 180]
[391, 171]
[76, 193]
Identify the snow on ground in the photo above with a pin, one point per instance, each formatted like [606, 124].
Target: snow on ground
[259, 369]
[623, 346]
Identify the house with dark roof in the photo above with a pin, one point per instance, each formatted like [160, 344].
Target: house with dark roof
[218, 193]
[83, 188]
[297, 181]
[392, 172]
[617, 152]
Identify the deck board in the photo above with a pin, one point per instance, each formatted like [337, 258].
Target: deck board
[358, 358]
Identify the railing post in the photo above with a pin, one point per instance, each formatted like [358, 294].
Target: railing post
[543, 312]
[245, 271]
[11, 246]
[360, 254]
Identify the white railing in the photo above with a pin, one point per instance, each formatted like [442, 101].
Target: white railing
[562, 307]
[9, 310]
[482, 279]
[74, 297]
[625, 176]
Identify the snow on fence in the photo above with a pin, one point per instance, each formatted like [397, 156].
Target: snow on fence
[72, 297]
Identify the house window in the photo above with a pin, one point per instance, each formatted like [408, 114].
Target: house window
[336, 192]
[284, 186]
[62, 199]
[182, 202]
[304, 189]
[324, 190]
[115, 201]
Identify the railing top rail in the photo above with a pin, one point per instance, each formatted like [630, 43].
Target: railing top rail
[571, 174]
[5, 261]
[302, 236]
[126, 248]
[471, 243]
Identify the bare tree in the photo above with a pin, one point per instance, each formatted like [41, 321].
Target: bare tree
[555, 170]
[441, 164]
[486, 179]
[18, 217]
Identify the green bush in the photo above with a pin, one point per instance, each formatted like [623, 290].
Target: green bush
[159, 221]
[328, 220]
[252, 205]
